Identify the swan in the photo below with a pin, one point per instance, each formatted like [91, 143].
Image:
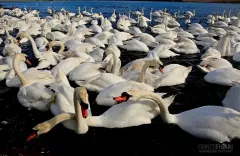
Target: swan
[97, 54]
[186, 46]
[31, 95]
[231, 99]
[41, 43]
[148, 39]
[144, 75]
[173, 74]
[134, 45]
[212, 64]
[11, 49]
[138, 64]
[223, 76]
[132, 21]
[163, 51]
[211, 52]
[86, 70]
[95, 28]
[185, 34]
[134, 30]
[46, 58]
[67, 65]
[207, 122]
[99, 82]
[118, 116]
[224, 45]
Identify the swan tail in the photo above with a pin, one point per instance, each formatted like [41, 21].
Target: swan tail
[169, 100]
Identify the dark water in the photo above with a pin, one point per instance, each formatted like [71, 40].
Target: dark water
[158, 137]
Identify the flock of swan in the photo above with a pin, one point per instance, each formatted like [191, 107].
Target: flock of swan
[89, 55]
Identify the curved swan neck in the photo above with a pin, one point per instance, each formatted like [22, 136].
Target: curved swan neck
[34, 47]
[16, 63]
[46, 126]
[59, 43]
[166, 116]
[143, 72]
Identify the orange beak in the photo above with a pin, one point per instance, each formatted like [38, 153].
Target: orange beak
[120, 99]
[28, 62]
[84, 112]
[161, 70]
[47, 48]
[33, 135]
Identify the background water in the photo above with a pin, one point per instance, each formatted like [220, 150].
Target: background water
[158, 137]
[202, 9]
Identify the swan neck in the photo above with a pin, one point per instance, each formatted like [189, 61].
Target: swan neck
[81, 123]
[166, 116]
[34, 47]
[129, 15]
[6, 30]
[59, 43]
[150, 16]
[143, 72]
[16, 63]
[116, 68]
[53, 122]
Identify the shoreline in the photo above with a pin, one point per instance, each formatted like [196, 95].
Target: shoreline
[194, 1]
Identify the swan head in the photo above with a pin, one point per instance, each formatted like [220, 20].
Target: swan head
[124, 97]
[20, 36]
[83, 97]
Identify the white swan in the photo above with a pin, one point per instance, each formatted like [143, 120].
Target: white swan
[223, 76]
[232, 98]
[212, 64]
[86, 70]
[46, 58]
[207, 122]
[67, 65]
[31, 95]
[135, 45]
[118, 116]
[173, 74]
[211, 52]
